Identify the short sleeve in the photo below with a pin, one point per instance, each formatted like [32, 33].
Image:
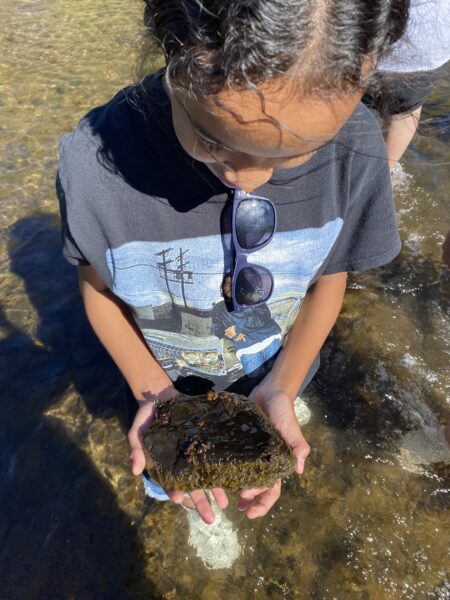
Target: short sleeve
[369, 236]
[70, 249]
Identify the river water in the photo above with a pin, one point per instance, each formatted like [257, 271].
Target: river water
[370, 517]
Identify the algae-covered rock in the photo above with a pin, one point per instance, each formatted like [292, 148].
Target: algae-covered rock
[214, 440]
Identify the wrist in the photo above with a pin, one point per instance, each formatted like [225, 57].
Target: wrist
[284, 378]
[156, 389]
[273, 385]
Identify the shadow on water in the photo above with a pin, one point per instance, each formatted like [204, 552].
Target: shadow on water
[62, 533]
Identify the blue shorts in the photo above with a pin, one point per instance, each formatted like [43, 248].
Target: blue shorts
[154, 490]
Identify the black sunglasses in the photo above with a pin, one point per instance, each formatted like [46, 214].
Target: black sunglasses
[254, 222]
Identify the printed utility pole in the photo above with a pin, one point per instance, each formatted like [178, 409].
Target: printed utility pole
[179, 275]
[163, 270]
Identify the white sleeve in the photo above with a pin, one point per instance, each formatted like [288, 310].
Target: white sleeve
[426, 43]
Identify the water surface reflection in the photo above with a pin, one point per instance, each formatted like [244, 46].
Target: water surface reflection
[370, 517]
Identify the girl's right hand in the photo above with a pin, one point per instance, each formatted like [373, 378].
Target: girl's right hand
[143, 418]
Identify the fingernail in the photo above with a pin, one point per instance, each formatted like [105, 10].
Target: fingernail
[300, 465]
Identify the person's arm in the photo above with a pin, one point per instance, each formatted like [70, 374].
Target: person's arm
[111, 320]
[277, 392]
[317, 316]
[398, 131]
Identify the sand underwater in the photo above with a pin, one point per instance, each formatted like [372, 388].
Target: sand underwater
[369, 519]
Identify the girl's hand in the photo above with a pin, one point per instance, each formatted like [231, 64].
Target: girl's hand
[143, 418]
[200, 502]
[279, 408]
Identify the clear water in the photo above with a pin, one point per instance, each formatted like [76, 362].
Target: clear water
[370, 517]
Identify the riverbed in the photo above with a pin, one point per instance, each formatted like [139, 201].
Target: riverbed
[370, 517]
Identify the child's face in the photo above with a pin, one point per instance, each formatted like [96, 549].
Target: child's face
[243, 142]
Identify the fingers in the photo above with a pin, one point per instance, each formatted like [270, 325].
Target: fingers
[281, 412]
[251, 493]
[242, 505]
[143, 416]
[262, 503]
[301, 450]
[259, 500]
[220, 497]
[291, 432]
[137, 458]
[176, 497]
[201, 502]
[202, 506]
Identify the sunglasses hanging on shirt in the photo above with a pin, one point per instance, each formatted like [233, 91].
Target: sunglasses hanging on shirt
[254, 221]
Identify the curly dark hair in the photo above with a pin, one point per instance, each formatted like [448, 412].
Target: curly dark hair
[211, 45]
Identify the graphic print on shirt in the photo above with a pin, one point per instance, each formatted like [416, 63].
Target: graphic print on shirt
[175, 292]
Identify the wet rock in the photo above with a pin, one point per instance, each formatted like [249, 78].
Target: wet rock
[214, 440]
[424, 446]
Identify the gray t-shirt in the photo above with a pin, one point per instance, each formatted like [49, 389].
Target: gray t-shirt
[155, 224]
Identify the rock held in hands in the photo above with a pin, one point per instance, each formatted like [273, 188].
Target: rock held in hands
[214, 440]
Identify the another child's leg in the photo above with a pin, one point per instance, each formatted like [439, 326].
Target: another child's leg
[398, 131]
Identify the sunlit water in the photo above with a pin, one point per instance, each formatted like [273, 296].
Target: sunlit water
[370, 517]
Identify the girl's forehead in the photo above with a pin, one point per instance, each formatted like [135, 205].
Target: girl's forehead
[274, 122]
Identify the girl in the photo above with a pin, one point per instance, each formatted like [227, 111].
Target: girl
[256, 95]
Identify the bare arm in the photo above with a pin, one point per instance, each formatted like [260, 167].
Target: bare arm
[277, 392]
[317, 316]
[112, 322]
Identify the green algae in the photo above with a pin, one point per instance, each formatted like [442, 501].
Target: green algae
[215, 440]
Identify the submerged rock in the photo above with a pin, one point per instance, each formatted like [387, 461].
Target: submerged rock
[214, 440]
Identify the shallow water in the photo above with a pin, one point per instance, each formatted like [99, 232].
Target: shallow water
[370, 517]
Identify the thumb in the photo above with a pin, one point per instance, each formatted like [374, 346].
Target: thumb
[137, 456]
[137, 460]
[143, 416]
[296, 440]
[301, 450]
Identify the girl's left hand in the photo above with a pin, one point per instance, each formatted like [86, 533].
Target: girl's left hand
[279, 408]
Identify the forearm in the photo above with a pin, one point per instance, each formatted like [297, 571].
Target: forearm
[114, 326]
[317, 316]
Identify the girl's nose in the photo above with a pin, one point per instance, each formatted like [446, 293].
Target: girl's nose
[248, 179]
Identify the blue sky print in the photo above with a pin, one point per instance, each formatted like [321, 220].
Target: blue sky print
[174, 289]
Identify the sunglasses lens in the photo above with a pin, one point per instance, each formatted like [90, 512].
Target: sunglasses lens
[253, 285]
[255, 222]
